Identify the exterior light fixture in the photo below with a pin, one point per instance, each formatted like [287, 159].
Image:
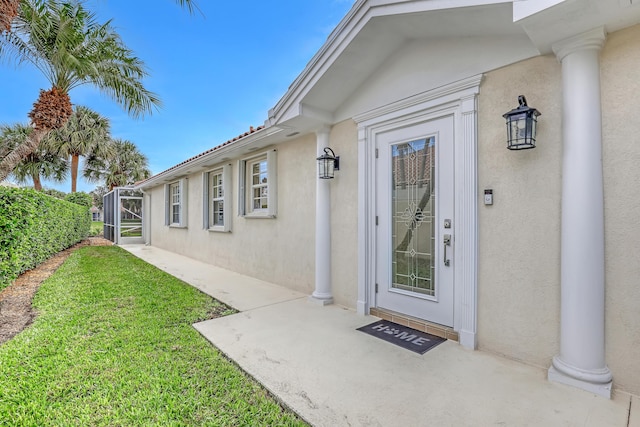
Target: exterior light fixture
[327, 164]
[521, 126]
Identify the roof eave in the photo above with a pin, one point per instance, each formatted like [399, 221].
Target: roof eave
[218, 155]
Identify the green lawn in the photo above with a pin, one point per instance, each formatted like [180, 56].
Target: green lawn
[113, 345]
[97, 228]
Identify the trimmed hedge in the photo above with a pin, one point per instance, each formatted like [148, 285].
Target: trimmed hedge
[35, 226]
[80, 198]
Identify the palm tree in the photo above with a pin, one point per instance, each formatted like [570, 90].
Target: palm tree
[37, 165]
[9, 11]
[98, 195]
[85, 132]
[64, 41]
[125, 166]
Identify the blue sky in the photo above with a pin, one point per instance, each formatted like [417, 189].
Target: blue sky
[217, 71]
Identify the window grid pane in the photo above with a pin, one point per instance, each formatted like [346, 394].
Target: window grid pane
[259, 185]
[175, 203]
[216, 206]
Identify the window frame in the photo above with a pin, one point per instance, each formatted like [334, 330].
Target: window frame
[170, 203]
[208, 201]
[246, 186]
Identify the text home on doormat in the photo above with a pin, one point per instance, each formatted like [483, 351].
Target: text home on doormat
[403, 336]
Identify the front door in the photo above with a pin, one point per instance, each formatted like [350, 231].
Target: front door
[414, 208]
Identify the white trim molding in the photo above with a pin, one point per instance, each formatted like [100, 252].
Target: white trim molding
[182, 186]
[245, 208]
[457, 100]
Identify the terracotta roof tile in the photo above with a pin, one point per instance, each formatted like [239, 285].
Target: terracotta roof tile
[204, 153]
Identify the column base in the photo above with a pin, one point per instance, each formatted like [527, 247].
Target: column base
[320, 301]
[600, 388]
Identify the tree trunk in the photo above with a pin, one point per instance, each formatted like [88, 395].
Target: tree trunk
[74, 171]
[11, 160]
[4, 150]
[36, 182]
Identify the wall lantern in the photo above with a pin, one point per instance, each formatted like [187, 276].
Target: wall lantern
[521, 126]
[327, 164]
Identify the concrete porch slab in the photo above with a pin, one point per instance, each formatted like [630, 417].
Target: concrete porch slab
[634, 412]
[313, 359]
[236, 290]
[332, 375]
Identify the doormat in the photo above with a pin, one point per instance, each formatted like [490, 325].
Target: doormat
[403, 336]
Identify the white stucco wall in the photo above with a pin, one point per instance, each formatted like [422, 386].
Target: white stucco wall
[344, 218]
[279, 250]
[620, 65]
[519, 236]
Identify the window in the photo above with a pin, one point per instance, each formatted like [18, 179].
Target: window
[216, 203]
[258, 186]
[176, 204]
[259, 198]
[217, 200]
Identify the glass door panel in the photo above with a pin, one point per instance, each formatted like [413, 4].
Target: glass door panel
[413, 216]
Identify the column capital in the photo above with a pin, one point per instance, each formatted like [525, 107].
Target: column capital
[590, 40]
[323, 130]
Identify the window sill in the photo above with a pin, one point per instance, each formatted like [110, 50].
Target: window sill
[260, 215]
[177, 226]
[219, 229]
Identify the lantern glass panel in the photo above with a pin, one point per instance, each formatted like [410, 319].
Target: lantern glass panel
[328, 164]
[521, 130]
[534, 125]
[325, 167]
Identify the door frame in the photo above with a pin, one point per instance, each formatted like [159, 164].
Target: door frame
[457, 99]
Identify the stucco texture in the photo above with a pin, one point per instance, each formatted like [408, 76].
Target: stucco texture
[280, 250]
[344, 216]
[519, 249]
[620, 68]
[519, 235]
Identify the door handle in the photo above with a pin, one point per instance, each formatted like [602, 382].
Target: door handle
[447, 242]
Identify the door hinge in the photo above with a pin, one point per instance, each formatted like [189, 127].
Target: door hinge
[376, 219]
[376, 288]
[376, 153]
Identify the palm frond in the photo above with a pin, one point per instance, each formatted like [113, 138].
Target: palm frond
[124, 166]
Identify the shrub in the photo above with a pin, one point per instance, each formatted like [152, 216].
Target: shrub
[35, 226]
[80, 198]
[54, 193]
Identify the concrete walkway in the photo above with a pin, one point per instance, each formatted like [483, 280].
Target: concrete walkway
[314, 360]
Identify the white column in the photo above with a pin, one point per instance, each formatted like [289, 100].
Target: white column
[581, 362]
[322, 294]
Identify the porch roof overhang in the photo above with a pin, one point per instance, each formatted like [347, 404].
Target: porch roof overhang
[368, 36]
[562, 19]
[374, 29]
